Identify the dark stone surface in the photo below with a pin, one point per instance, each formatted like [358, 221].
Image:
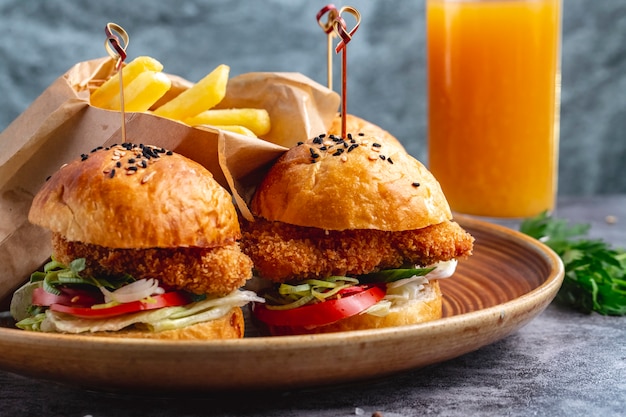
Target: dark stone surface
[387, 77]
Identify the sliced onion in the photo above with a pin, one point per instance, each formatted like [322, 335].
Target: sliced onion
[135, 291]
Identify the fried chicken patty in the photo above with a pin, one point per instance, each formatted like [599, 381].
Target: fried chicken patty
[281, 251]
[219, 270]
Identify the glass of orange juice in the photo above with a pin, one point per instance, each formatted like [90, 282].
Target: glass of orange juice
[493, 104]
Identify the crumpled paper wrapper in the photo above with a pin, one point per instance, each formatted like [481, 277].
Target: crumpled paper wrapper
[60, 125]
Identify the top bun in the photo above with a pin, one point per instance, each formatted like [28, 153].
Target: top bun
[357, 183]
[136, 196]
[355, 125]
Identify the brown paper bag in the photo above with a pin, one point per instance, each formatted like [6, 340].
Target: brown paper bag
[60, 125]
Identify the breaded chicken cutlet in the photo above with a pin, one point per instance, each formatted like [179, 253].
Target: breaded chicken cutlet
[282, 251]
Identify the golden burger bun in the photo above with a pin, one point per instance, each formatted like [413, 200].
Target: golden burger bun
[359, 183]
[229, 326]
[109, 198]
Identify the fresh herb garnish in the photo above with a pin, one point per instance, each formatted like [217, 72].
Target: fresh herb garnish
[595, 272]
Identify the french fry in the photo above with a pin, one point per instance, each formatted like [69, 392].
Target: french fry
[111, 87]
[142, 92]
[256, 120]
[237, 129]
[202, 96]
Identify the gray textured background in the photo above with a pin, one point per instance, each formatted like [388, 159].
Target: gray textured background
[387, 78]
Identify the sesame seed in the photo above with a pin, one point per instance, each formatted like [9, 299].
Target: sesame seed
[116, 157]
[131, 161]
[118, 164]
[338, 152]
[375, 149]
[112, 174]
[361, 134]
[132, 168]
[373, 156]
[383, 157]
[318, 140]
[376, 145]
[350, 136]
[416, 184]
[147, 177]
[169, 153]
[300, 143]
[130, 172]
[389, 160]
[353, 146]
[83, 157]
[344, 158]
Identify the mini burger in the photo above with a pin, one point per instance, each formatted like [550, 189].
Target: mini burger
[352, 234]
[145, 244]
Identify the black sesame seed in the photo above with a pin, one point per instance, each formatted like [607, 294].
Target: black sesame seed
[338, 152]
[49, 176]
[169, 153]
[118, 164]
[383, 157]
[300, 143]
[112, 173]
[376, 145]
[361, 134]
[389, 160]
[350, 136]
[144, 163]
[416, 184]
[133, 168]
[353, 146]
[131, 161]
[323, 148]
[83, 157]
[318, 140]
[323, 135]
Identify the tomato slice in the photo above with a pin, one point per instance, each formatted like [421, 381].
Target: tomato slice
[169, 299]
[68, 297]
[323, 313]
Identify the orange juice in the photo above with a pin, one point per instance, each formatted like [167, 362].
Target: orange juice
[494, 86]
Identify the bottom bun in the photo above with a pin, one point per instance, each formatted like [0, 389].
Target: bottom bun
[229, 326]
[427, 308]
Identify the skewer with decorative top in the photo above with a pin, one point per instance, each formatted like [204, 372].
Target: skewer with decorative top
[336, 24]
[117, 50]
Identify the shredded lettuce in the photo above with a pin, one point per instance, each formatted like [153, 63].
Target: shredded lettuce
[166, 318]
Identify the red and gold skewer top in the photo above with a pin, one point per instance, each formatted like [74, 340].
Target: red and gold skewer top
[336, 25]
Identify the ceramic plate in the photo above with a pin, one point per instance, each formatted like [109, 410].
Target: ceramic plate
[508, 281]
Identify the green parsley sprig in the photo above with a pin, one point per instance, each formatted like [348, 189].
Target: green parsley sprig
[595, 272]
